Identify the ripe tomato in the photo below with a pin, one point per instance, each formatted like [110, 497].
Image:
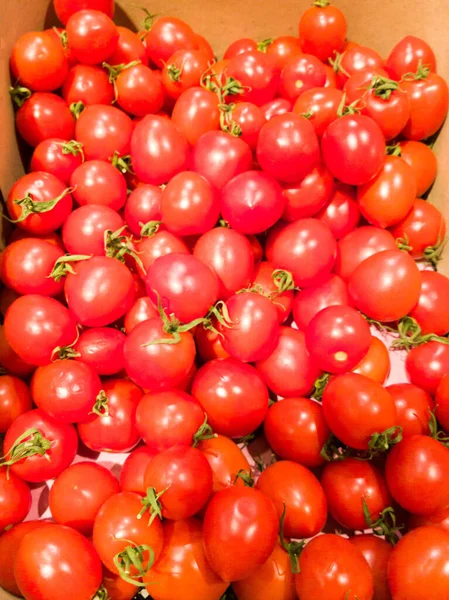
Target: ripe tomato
[49, 446]
[408, 55]
[423, 161]
[278, 106]
[139, 90]
[84, 229]
[342, 213]
[226, 461]
[114, 429]
[240, 529]
[357, 85]
[376, 552]
[376, 363]
[356, 408]
[307, 197]
[355, 59]
[15, 499]
[142, 206]
[182, 71]
[159, 244]
[92, 36]
[332, 568]
[430, 312]
[338, 337]
[296, 490]
[442, 402]
[307, 249]
[395, 179]
[219, 157]
[265, 280]
[78, 493]
[229, 254]
[310, 301]
[158, 149]
[258, 74]
[419, 565]
[322, 30]
[417, 473]
[102, 349]
[385, 286]
[44, 116]
[413, 406]
[35, 326]
[196, 112]
[359, 245]
[300, 74]
[26, 200]
[120, 532]
[347, 485]
[240, 46]
[15, 399]
[53, 556]
[288, 148]
[353, 149]
[390, 109]
[88, 84]
[283, 48]
[165, 37]
[161, 366]
[219, 387]
[132, 475]
[98, 182]
[429, 98]
[320, 104]
[129, 48]
[250, 120]
[142, 310]
[209, 342]
[427, 364]
[182, 569]
[65, 8]
[103, 130]
[57, 157]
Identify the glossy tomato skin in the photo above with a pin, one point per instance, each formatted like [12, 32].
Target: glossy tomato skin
[196, 112]
[430, 313]
[362, 396]
[98, 182]
[322, 31]
[88, 84]
[247, 520]
[288, 147]
[182, 71]
[15, 499]
[129, 48]
[346, 141]
[44, 116]
[143, 205]
[52, 157]
[408, 55]
[84, 229]
[391, 114]
[142, 310]
[102, 349]
[139, 90]
[92, 36]
[429, 99]
[283, 48]
[167, 35]
[426, 365]
[240, 46]
[307, 197]
[289, 370]
[442, 402]
[294, 486]
[264, 279]
[310, 301]
[419, 563]
[376, 363]
[423, 161]
[117, 526]
[183, 560]
[342, 213]
[220, 387]
[65, 8]
[346, 484]
[385, 286]
[15, 399]
[413, 406]
[79, 492]
[355, 59]
[115, 429]
[71, 556]
[332, 568]
[278, 106]
[157, 367]
[300, 74]
[258, 72]
[226, 461]
[160, 244]
[377, 554]
[229, 254]
[64, 444]
[132, 475]
[250, 119]
[321, 104]
[10, 360]
[158, 150]
[36, 325]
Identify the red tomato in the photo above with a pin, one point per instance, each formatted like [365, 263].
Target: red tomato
[54, 555]
[102, 349]
[57, 157]
[240, 529]
[10, 360]
[44, 116]
[98, 182]
[296, 430]
[49, 446]
[296, 490]
[219, 387]
[78, 493]
[332, 568]
[320, 104]
[376, 552]
[386, 286]
[103, 130]
[358, 84]
[440, 519]
[129, 48]
[209, 342]
[395, 179]
[322, 30]
[159, 151]
[165, 37]
[417, 473]
[342, 213]
[114, 429]
[413, 406]
[116, 587]
[442, 402]
[353, 149]
[300, 74]
[65, 8]
[15, 499]
[196, 112]
[25, 203]
[310, 301]
[182, 569]
[265, 279]
[355, 59]
[159, 244]
[350, 483]
[226, 461]
[133, 470]
[288, 147]
[36, 326]
[15, 399]
[283, 48]
[229, 254]
[240, 46]
[430, 312]
[356, 408]
[183, 70]
[142, 310]
[142, 206]
[429, 98]
[307, 249]
[427, 364]
[219, 157]
[249, 120]
[92, 36]
[278, 106]
[307, 197]
[84, 229]
[408, 55]
[87, 84]
[376, 363]
[139, 90]
[258, 74]
[423, 161]
[418, 563]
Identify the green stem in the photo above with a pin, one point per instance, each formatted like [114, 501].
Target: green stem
[410, 335]
[149, 229]
[204, 432]
[133, 556]
[76, 108]
[263, 45]
[31, 207]
[101, 406]
[122, 163]
[63, 265]
[292, 548]
[19, 95]
[30, 443]
[152, 504]
[245, 477]
[385, 525]
[73, 147]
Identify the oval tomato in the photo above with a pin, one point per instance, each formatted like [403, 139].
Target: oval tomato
[98, 182]
[91, 35]
[429, 99]
[413, 406]
[376, 363]
[226, 461]
[84, 229]
[57, 157]
[321, 105]
[322, 30]
[430, 312]
[44, 116]
[376, 552]
[342, 213]
[307, 197]
[300, 74]
[423, 161]
[88, 84]
[427, 364]
[102, 349]
[15, 399]
[408, 55]
[196, 112]
[132, 474]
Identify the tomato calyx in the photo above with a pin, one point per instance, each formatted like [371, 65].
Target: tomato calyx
[292, 547]
[321, 3]
[283, 280]
[403, 244]
[381, 442]
[101, 406]
[394, 150]
[433, 254]
[229, 594]
[246, 477]
[245, 440]
[133, 556]
[76, 108]
[319, 386]
[118, 246]
[30, 443]
[174, 73]
[334, 450]
[348, 109]
[102, 594]
[260, 463]
[422, 73]
[227, 123]
[204, 432]
[385, 525]
[148, 20]
[152, 504]
[66, 352]
[73, 147]
[435, 432]
[115, 70]
[336, 63]
[383, 87]
[122, 163]
[263, 45]
[62, 35]
[30, 207]
[63, 265]
[410, 335]
[149, 229]
[19, 94]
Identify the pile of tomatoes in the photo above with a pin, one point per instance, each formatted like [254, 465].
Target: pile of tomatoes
[202, 251]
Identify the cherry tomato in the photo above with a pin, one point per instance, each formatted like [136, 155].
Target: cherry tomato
[87, 84]
[102, 349]
[300, 74]
[114, 429]
[307, 197]
[355, 59]
[427, 364]
[84, 230]
[423, 161]
[240, 529]
[322, 30]
[408, 55]
[278, 106]
[15, 399]
[376, 552]
[258, 74]
[139, 90]
[310, 301]
[44, 116]
[376, 363]
[92, 36]
[249, 120]
[57, 157]
[342, 213]
[133, 470]
[166, 36]
[440, 519]
[358, 84]
[142, 310]
[65, 8]
[143, 205]
[196, 112]
[429, 99]
[320, 104]
[240, 46]
[413, 406]
[226, 461]
[183, 70]
[220, 385]
[129, 48]
[283, 48]
[98, 182]
[264, 279]
[15, 499]
[430, 312]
